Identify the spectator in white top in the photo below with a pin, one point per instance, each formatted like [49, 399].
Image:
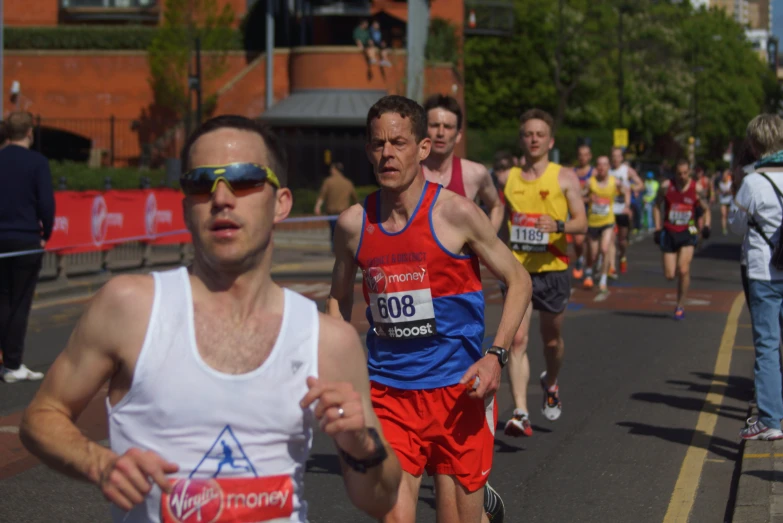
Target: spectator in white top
[756, 213]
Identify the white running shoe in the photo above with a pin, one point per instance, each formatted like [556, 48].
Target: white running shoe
[519, 425]
[20, 374]
[552, 406]
[757, 430]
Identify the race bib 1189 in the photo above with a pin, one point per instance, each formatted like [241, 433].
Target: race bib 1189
[525, 237]
[401, 300]
[235, 500]
[600, 206]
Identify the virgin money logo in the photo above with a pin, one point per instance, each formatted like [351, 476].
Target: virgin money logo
[150, 212]
[100, 223]
[61, 224]
[102, 219]
[195, 501]
[153, 217]
[519, 219]
[375, 279]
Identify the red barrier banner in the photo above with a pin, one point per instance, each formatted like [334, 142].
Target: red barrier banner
[92, 220]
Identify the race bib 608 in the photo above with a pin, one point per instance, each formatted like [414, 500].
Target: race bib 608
[401, 300]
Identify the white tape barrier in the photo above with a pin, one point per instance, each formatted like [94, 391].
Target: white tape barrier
[301, 219]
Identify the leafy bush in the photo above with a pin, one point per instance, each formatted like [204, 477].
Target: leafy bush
[79, 177]
[89, 37]
[442, 42]
[484, 143]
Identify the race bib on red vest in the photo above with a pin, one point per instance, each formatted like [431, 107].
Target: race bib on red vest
[401, 300]
[680, 214]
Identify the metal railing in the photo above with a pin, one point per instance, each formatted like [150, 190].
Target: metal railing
[109, 4]
[97, 141]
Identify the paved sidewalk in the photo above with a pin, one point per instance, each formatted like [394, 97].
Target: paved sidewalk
[760, 489]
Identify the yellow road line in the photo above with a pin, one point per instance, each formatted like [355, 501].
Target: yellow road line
[765, 455]
[684, 494]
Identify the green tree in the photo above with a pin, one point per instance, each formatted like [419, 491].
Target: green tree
[505, 75]
[171, 51]
[728, 84]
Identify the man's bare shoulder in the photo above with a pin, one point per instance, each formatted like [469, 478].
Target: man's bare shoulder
[350, 220]
[337, 340]
[455, 208]
[126, 294]
[474, 168]
[568, 177]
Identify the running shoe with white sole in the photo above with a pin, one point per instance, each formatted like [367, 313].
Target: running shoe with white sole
[20, 374]
[519, 425]
[493, 505]
[552, 407]
[755, 429]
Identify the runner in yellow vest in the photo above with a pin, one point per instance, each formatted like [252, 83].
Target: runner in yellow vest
[539, 197]
[601, 193]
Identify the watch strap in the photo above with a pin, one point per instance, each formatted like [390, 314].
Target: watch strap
[362, 465]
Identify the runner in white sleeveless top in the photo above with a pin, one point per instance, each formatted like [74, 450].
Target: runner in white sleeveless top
[626, 177]
[217, 376]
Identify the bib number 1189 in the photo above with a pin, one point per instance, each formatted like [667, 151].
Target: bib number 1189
[395, 307]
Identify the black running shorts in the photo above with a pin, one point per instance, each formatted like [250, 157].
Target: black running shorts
[551, 291]
[622, 220]
[596, 232]
[674, 241]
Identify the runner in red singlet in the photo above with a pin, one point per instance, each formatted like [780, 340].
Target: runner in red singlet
[679, 233]
[583, 171]
[466, 178]
[433, 385]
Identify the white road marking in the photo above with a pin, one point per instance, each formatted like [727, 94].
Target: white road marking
[9, 429]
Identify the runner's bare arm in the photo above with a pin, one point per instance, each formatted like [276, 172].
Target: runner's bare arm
[347, 233]
[572, 190]
[636, 181]
[627, 194]
[707, 214]
[342, 363]
[463, 215]
[657, 204]
[116, 317]
[489, 195]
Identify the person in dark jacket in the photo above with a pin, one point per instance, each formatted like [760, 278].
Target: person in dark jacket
[26, 222]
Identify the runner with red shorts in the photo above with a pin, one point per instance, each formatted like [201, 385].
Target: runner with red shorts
[419, 247]
[679, 234]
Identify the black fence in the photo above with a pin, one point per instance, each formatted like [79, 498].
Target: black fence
[99, 141]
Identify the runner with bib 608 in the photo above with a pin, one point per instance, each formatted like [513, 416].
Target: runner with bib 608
[418, 246]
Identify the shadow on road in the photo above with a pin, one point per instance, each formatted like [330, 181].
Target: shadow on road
[694, 404]
[718, 446]
[323, 464]
[766, 475]
[736, 387]
[429, 497]
[720, 251]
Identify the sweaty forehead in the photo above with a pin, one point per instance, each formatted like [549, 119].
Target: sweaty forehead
[441, 115]
[224, 146]
[390, 125]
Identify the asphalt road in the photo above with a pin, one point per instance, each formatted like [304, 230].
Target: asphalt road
[633, 386]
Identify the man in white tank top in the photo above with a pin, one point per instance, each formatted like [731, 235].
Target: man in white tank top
[217, 376]
[626, 177]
